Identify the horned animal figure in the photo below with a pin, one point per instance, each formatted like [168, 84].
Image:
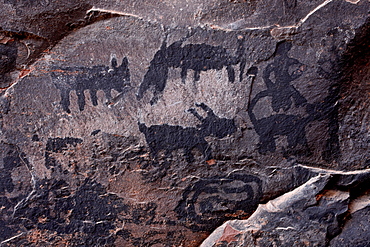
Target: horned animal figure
[197, 57]
[169, 138]
[98, 77]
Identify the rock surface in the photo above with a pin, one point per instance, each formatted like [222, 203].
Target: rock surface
[310, 215]
[152, 123]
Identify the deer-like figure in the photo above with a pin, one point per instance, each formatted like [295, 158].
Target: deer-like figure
[169, 138]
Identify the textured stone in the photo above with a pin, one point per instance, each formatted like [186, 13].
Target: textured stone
[310, 215]
[356, 230]
[151, 123]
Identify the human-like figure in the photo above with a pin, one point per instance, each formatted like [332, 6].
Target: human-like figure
[281, 90]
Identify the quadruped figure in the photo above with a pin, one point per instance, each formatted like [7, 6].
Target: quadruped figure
[169, 138]
[282, 95]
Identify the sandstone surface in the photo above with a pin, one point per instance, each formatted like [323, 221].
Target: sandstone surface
[156, 123]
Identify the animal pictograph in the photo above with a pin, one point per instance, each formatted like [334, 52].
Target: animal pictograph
[169, 138]
[196, 57]
[269, 128]
[291, 126]
[283, 70]
[98, 77]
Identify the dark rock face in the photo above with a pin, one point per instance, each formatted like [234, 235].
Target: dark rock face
[311, 214]
[85, 217]
[356, 232]
[140, 124]
[208, 200]
[7, 61]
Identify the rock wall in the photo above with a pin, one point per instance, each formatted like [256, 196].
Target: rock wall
[156, 123]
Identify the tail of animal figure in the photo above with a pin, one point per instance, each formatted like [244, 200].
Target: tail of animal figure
[240, 53]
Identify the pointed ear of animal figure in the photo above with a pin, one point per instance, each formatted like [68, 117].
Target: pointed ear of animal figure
[212, 125]
[114, 62]
[195, 113]
[124, 62]
[123, 72]
[207, 109]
